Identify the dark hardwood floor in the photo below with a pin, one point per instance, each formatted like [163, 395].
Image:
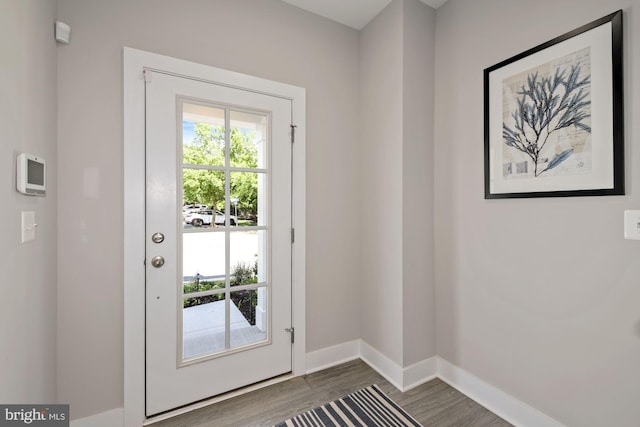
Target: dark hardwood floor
[433, 404]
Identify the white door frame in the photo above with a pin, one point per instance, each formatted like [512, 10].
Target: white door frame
[134, 210]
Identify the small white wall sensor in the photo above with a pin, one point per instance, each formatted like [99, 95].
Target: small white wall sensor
[632, 225]
[63, 32]
[31, 175]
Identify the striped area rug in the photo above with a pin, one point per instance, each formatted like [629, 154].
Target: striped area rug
[368, 407]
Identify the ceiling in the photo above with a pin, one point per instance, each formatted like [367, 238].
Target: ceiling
[353, 13]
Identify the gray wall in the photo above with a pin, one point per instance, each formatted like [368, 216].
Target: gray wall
[558, 329]
[396, 103]
[381, 181]
[537, 297]
[418, 276]
[265, 38]
[27, 271]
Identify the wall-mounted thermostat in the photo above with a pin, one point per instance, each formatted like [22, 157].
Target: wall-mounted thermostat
[31, 175]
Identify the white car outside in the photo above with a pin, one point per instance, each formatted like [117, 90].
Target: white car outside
[204, 217]
[187, 209]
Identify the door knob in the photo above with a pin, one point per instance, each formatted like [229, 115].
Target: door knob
[157, 261]
[157, 238]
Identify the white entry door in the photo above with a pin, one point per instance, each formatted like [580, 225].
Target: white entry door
[218, 239]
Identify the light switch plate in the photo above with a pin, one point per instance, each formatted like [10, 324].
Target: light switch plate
[632, 225]
[28, 226]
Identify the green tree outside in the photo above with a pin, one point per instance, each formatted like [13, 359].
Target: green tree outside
[208, 187]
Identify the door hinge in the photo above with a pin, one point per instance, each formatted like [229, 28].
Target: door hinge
[292, 330]
[293, 235]
[293, 133]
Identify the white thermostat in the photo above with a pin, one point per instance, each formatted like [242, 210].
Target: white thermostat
[31, 175]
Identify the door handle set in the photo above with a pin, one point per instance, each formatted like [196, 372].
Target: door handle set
[157, 261]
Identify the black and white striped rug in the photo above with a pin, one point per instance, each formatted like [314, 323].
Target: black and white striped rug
[368, 407]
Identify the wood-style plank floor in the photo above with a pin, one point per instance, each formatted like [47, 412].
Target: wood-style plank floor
[433, 404]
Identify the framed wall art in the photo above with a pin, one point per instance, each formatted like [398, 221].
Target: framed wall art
[554, 117]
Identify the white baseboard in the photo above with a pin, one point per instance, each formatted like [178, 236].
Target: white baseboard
[332, 356]
[419, 373]
[386, 367]
[497, 401]
[500, 403]
[112, 418]
[403, 379]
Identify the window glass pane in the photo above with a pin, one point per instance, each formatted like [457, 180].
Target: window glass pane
[203, 135]
[219, 203]
[248, 140]
[248, 257]
[200, 283]
[203, 260]
[248, 317]
[203, 320]
[202, 195]
[248, 196]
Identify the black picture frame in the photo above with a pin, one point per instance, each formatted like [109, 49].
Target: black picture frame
[554, 117]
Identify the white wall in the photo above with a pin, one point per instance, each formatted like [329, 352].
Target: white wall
[265, 38]
[538, 297]
[27, 271]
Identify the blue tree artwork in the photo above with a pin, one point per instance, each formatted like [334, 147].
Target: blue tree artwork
[546, 126]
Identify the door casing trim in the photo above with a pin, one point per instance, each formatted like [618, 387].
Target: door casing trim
[134, 210]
